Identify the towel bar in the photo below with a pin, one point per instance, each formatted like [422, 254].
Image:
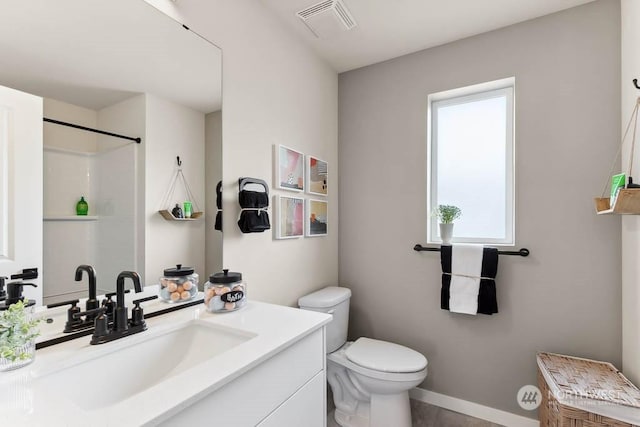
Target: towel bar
[522, 252]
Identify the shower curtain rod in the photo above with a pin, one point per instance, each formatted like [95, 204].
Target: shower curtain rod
[71, 125]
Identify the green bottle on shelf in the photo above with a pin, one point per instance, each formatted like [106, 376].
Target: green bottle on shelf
[82, 207]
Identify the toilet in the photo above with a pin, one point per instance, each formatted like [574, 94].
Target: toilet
[370, 379]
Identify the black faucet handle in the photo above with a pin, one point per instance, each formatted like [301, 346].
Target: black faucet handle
[137, 315]
[72, 303]
[113, 294]
[96, 311]
[27, 274]
[137, 302]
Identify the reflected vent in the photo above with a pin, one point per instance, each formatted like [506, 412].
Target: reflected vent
[327, 18]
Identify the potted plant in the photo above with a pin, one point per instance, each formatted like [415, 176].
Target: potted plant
[17, 336]
[446, 214]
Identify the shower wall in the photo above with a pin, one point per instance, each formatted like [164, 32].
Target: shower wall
[79, 163]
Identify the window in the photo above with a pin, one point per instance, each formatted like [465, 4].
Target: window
[471, 158]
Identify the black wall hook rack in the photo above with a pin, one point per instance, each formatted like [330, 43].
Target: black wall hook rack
[635, 83]
[522, 252]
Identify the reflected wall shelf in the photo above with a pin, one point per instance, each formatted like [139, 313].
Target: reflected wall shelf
[70, 218]
[627, 203]
[166, 213]
[169, 217]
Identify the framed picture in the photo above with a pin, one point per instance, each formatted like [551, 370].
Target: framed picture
[317, 176]
[289, 168]
[317, 218]
[290, 217]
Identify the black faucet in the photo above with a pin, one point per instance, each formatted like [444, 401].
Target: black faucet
[121, 315]
[121, 326]
[92, 302]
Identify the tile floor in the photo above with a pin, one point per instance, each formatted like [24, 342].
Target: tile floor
[425, 415]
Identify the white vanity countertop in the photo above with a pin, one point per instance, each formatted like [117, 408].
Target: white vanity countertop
[25, 401]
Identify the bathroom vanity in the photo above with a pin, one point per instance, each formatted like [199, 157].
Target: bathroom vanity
[261, 365]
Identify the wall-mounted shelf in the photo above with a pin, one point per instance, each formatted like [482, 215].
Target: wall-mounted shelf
[70, 218]
[627, 203]
[628, 200]
[169, 217]
[166, 213]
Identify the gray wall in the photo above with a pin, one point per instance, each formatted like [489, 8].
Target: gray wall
[566, 296]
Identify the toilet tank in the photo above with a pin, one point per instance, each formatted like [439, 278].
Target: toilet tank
[332, 300]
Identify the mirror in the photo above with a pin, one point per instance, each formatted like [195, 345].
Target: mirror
[123, 67]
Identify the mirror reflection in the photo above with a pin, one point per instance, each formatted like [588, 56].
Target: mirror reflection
[102, 193]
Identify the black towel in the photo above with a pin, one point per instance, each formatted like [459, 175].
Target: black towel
[253, 199]
[487, 301]
[253, 220]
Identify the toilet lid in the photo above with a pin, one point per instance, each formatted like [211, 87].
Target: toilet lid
[385, 356]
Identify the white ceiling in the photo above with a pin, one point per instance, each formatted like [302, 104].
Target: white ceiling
[391, 28]
[94, 53]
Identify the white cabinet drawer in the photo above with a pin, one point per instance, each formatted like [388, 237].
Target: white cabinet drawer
[306, 407]
[250, 398]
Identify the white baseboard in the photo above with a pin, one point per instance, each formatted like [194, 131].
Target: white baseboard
[472, 409]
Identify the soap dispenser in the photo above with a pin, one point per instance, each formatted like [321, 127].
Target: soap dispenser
[82, 207]
[14, 294]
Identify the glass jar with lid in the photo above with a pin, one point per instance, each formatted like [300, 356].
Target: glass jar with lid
[225, 291]
[179, 284]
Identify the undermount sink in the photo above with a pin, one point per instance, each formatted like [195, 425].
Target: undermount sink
[119, 371]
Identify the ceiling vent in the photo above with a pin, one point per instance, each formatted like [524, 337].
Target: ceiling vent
[327, 18]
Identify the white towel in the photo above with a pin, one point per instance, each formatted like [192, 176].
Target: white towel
[466, 269]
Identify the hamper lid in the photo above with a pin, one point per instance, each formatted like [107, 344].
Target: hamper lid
[179, 271]
[586, 378]
[327, 297]
[385, 356]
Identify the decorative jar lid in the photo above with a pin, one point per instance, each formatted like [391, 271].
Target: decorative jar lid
[179, 271]
[226, 276]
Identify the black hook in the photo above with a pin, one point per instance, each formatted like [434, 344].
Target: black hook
[635, 82]
[179, 161]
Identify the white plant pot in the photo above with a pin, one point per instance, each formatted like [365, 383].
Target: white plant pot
[446, 233]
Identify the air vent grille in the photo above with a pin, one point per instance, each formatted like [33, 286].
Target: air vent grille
[315, 9]
[327, 18]
[342, 11]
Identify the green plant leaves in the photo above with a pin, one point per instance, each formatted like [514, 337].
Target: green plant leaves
[447, 213]
[17, 329]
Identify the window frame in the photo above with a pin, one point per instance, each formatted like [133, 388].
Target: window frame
[478, 92]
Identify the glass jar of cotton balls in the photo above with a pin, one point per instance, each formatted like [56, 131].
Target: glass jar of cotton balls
[224, 292]
[179, 284]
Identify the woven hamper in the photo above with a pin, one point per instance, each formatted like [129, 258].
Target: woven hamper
[579, 392]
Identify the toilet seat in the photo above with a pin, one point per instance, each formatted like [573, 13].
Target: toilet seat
[339, 356]
[385, 356]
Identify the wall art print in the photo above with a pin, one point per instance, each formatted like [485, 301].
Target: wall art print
[290, 217]
[289, 169]
[317, 176]
[317, 218]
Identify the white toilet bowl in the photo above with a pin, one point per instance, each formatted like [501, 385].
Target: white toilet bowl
[370, 379]
[366, 397]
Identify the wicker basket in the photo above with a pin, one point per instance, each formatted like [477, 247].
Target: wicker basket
[565, 380]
